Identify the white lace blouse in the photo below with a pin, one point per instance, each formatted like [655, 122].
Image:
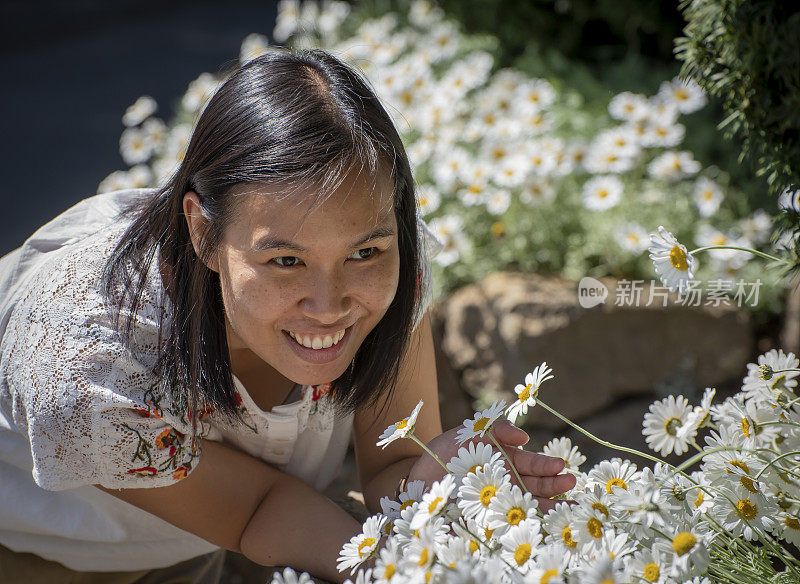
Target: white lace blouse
[78, 407]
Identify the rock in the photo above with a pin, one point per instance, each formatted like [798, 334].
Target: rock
[496, 331]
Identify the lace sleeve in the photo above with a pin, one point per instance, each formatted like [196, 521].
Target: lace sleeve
[429, 246]
[88, 403]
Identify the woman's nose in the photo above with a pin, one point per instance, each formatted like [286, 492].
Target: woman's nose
[327, 299]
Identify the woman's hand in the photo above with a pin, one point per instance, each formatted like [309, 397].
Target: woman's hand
[539, 473]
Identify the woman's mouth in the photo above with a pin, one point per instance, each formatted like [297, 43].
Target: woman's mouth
[318, 349]
[317, 342]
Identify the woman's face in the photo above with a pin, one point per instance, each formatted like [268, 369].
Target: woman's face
[304, 284]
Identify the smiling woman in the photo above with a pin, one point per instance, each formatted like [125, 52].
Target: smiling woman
[182, 368]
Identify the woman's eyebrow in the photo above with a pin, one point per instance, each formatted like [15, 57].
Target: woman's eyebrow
[377, 233]
[269, 242]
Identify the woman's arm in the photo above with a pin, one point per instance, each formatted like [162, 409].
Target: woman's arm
[380, 470]
[242, 504]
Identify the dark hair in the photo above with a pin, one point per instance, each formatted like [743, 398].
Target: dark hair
[292, 118]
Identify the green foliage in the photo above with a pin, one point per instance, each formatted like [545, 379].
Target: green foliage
[747, 53]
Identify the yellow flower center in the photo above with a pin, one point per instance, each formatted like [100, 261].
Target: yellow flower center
[607, 581]
[746, 427]
[681, 94]
[475, 468]
[423, 201]
[407, 503]
[401, 424]
[525, 394]
[595, 528]
[388, 571]
[480, 425]
[792, 523]
[473, 546]
[748, 484]
[616, 482]
[746, 509]
[515, 515]
[740, 465]
[651, 572]
[486, 494]
[423, 557]
[672, 425]
[522, 553]
[677, 257]
[602, 193]
[367, 543]
[434, 504]
[600, 507]
[566, 535]
[547, 575]
[683, 542]
[699, 500]
[498, 228]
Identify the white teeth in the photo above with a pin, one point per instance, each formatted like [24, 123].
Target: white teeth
[317, 342]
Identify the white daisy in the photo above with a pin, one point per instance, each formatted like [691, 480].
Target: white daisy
[428, 199]
[142, 108]
[526, 394]
[763, 383]
[687, 96]
[254, 45]
[663, 422]
[562, 448]
[200, 92]
[509, 507]
[497, 201]
[289, 576]
[388, 561]
[559, 524]
[602, 570]
[287, 20]
[536, 192]
[479, 488]
[789, 201]
[684, 549]
[745, 511]
[420, 553]
[628, 107]
[471, 458]
[360, 547]
[400, 429]
[633, 238]
[757, 227]
[612, 474]
[590, 525]
[707, 196]
[671, 261]
[602, 192]
[481, 423]
[661, 135]
[673, 166]
[433, 503]
[550, 567]
[699, 415]
[520, 543]
[134, 146]
[648, 566]
[448, 230]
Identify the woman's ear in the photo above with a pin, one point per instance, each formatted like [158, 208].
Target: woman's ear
[196, 222]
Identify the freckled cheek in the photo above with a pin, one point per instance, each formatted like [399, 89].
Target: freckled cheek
[379, 284]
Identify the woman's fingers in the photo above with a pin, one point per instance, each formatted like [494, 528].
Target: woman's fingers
[508, 434]
[548, 486]
[530, 463]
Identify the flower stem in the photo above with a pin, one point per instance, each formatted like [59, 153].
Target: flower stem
[508, 459]
[747, 249]
[428, 450]
[598, 440]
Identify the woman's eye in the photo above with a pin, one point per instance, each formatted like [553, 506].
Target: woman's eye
[363, 254]
[286, 261]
